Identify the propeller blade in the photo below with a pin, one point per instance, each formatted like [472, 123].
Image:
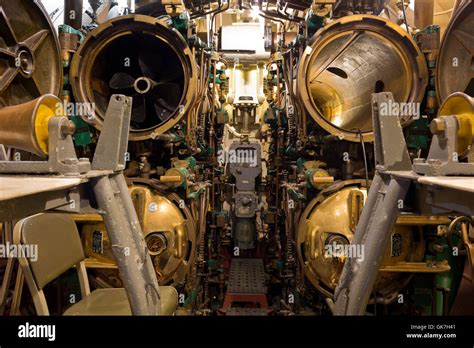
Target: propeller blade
[170, 92]
[157, 62]
[138, 109]
[150, 62]
[121, 80]
[163, 109]
[171, 73]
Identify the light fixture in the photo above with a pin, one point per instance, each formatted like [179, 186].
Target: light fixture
[255, 13]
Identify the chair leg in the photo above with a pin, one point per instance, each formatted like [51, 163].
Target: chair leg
[10, 269]
[16, 301]
[7, 277]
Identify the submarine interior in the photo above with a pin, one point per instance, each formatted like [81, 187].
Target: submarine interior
[237, 157]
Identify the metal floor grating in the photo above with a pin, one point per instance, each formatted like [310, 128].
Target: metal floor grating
[247, 276]
[247, 311]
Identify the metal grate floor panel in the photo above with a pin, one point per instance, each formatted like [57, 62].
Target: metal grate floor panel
[247, 276]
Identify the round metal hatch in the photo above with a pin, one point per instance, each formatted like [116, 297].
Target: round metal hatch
[349, 60]
[30, 58]
[141, 57]
[455, 68]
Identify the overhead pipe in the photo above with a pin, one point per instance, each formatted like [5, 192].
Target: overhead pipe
[73, 13]
[424, 13]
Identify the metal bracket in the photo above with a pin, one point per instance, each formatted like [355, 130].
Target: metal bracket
[62, 157]
[390, 148]
[443, 158]
[111, 149]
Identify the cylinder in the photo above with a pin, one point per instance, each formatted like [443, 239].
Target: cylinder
[349, 60]
[73, 13]
[25, 126]
[424, 12]
[461, 106]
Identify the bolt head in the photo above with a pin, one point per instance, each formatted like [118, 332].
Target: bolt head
[68, 128]
[438, 126]
[152, 207]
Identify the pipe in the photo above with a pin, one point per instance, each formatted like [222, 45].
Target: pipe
[212, 143]
[353, 292]
[424, 12]
[213, 17]
[73, 13]
[123, 228]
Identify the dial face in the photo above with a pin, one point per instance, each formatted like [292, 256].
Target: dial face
[156, 243]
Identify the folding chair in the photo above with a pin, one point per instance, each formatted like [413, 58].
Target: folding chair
[59, 249]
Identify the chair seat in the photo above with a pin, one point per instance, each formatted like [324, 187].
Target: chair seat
[169, 300]
[114, 301]
[102, 302]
